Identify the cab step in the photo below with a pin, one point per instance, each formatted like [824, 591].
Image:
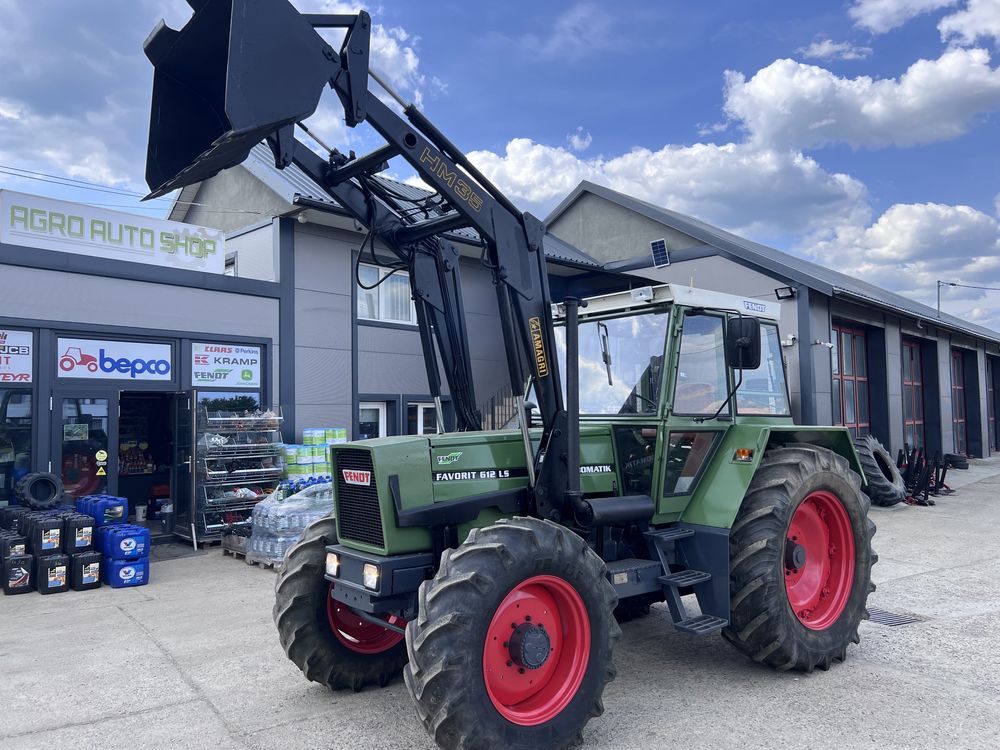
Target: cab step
[685, 578]
[669, 534]
[701, 625]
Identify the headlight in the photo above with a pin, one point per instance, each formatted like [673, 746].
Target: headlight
[370, 577]
[332, 564]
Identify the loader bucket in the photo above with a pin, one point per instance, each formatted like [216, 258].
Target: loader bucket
[237, 72]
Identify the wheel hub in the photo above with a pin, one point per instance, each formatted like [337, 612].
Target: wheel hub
[795, 555]
[529, 646]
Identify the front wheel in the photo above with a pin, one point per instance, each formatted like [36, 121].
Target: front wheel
[512, 646]
[800, 560]
[328, 640]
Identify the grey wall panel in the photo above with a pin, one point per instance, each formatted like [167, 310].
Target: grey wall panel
[478, 293]
[894, 383]
[379, 339]
[323, 259]
[322, 376]
[944, 380]
[608, 231]
[322, 320]
[485, 338]
[386, 372]
[234, 199]
[256, 254]
[323, 415]
[57, 296]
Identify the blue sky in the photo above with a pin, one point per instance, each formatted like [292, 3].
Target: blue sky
[861, 133]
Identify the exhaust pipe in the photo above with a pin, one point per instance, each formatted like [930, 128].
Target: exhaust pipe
[238, 72]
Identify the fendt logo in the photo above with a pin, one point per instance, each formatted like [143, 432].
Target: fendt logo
[74, 357]
[754, 306]
[351, 476]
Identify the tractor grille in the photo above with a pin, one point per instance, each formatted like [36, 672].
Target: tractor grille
[359, 517]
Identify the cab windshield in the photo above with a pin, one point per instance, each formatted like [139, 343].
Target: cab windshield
[621, 363]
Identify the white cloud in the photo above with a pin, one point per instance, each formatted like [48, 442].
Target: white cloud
[911, 246]
[580, 139]
[794, 105]
[827, 49]
[980, 19]
[996, 204]
[880, 16]
[721, 184]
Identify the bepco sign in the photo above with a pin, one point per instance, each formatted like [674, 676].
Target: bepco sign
[113, 360]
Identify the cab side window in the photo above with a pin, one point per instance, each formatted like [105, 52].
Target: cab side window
[701, 386]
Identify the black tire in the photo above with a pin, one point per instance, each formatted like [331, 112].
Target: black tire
[763, 624]
[39, 491]
[956, 461]
[300, 613]
[447, 641]
[885, 484]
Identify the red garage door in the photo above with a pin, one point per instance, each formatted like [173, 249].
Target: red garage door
[850, 379]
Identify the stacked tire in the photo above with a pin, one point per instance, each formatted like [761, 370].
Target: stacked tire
[39, 490]
[885, 485]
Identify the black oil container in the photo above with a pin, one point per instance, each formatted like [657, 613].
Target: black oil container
[18, 574]
[78, 533]
[44, 534]
[10, 517]
[85, 571]
[12, 545]
[52, 573]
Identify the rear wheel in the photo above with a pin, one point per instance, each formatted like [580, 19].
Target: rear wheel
[512, 646]
[800, 561]
[327, 640]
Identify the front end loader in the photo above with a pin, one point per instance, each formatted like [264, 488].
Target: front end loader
[660, 462]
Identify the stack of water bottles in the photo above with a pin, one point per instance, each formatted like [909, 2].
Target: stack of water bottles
[125, 547]
[280, 519]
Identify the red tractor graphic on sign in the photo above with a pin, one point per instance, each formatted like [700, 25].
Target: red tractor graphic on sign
[75, 358]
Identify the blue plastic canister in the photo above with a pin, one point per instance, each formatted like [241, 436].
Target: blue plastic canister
[119, 574]
[104, 509]
[123, 541]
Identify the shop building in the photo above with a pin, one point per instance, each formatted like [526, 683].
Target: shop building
[857, 355]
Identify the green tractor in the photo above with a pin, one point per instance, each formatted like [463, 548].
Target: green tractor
[654, 456]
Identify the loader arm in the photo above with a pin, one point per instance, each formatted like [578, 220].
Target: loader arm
[242, 71]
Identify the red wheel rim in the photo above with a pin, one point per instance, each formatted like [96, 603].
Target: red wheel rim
[360, 635]
[525, 696]
[819, 587]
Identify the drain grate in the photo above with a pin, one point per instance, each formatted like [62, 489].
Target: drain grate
[892, 619]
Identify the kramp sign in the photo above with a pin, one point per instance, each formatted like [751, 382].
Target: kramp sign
[97, 359]
[47, 224]
[15, 356]
[228, 365]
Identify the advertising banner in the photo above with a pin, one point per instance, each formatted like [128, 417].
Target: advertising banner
[113, 360]
[33, 221]
[228, 365]
[15, 356]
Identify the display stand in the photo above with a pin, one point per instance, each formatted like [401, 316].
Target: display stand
[239, 461]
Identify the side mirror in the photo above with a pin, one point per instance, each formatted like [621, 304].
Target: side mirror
[743, 343]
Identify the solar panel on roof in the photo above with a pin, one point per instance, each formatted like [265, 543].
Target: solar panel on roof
[660, 255]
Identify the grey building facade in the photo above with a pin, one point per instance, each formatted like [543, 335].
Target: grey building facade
[857, 355]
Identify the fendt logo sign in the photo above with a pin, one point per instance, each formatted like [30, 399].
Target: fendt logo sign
[351, 476]
[113, 360]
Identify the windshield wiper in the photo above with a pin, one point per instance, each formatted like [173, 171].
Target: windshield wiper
[602, 332]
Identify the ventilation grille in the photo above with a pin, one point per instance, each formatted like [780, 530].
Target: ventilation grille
[359, 517]
[892, 619]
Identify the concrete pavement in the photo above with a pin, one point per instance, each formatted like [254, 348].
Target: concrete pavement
[193, 661]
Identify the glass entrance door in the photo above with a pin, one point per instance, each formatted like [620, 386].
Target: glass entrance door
[180, 515]
[84, 427]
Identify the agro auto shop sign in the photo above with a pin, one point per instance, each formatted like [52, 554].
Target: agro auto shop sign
[15, 356]
[226, 365]
[33, 221]
[113, 360]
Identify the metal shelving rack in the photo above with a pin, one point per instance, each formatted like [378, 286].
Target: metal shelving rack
[235, 454]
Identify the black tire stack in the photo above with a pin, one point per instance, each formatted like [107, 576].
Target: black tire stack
[885, 483]
[39, 490]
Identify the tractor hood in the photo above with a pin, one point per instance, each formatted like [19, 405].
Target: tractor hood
[441, 469]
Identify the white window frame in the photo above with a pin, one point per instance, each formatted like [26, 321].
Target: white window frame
[422, 408]
[382, 409]
[382, 317]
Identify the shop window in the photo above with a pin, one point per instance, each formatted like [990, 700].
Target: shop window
[913, 395]
[372, 420]
[230, 268]
[702, 385]
[763, 390]
[15, 440]
[850, 380]
[385, 296]
[421, 419]
[958, 416]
